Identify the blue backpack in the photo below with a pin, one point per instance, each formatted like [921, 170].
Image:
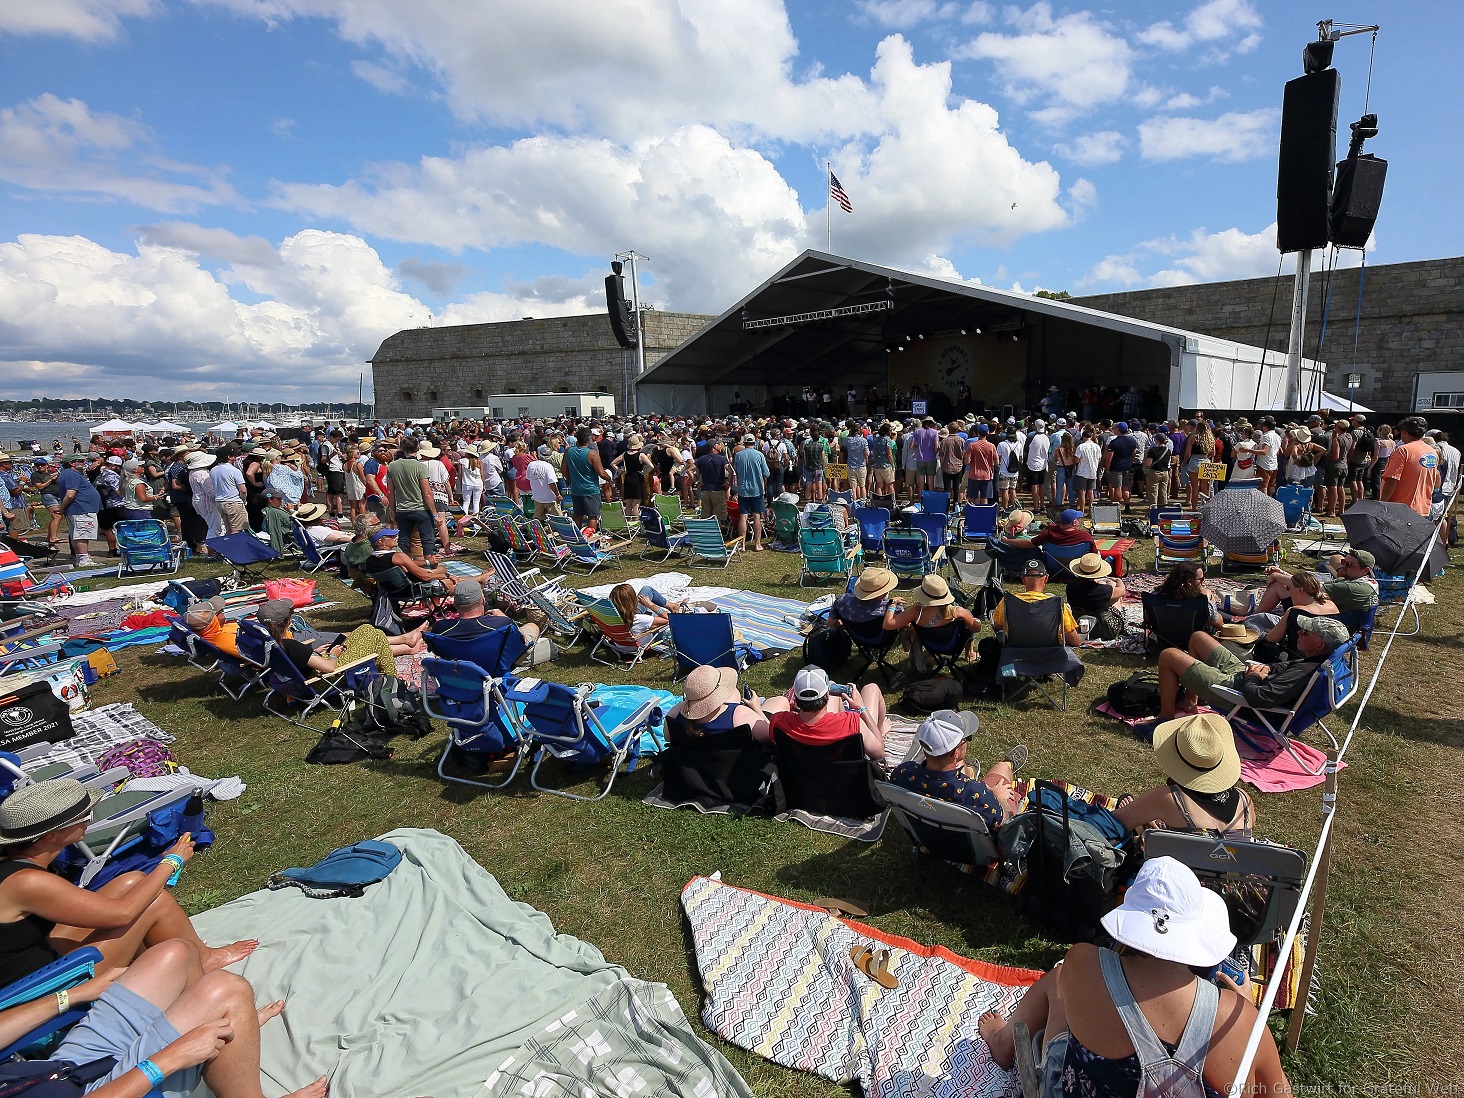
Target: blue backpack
[343, 872]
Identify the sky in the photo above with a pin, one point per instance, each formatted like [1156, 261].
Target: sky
[208, 199]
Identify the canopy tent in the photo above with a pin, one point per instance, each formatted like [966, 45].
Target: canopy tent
[164, 427]
[1333, 403]
[824, 320]
[113, 427]
[226, 427]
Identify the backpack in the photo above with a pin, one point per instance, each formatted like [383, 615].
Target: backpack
[1135, 696]
[343, 872]
[1013, 463]
[392, 708]
[51, 1078]
[827, 648]
[322, 457]
[928, 695]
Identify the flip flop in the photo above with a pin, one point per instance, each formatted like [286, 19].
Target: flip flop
[861, 955]
[840, 907]
[877, 967]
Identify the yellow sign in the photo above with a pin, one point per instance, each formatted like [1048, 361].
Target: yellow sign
[1211, 470]
[836, 472]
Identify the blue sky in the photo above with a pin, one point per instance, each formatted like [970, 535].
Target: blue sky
[243, 197]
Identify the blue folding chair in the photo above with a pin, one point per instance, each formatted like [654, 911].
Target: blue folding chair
[1034, 649]
[704, 640]
[872, 522]
[236, 674]
[935, 503]
[1296, 503]
[312, 557]
[909, 553]
[482, 721]
[936, 525]
[584, 556]
[843, 496]
[978, 522]
[336, 691]
[1058, 557]
[243, 551]
[565, 725]
[659, 539]
[144, 545]
[62, 974]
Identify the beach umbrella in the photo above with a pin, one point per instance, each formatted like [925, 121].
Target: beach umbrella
[1242, 520]
[1396, 535]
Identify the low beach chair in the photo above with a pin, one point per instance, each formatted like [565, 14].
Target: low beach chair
[872, 523]
[935, 502]
[659, 538]
[978, 523]
[707, 544]
[613, 524]
[18, 584]
[563, 724]
[246, 553]
[236, 674]
[939, 829]
[563, 615]
[510, 585]
[703, 640]
[909, 553]
[827, 555]
[295, 694]
[548, 550]
[65, 973]
[669, 507]
[786, 522]
[312, 557]
[144, 545]
[1270, 876]
[624, 647]
[584, 556]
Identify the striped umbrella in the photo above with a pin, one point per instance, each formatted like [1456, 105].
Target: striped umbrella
[1242, 520]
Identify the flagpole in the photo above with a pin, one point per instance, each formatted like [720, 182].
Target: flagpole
[829, 203]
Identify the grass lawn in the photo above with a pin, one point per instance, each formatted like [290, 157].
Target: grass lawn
[610, 872]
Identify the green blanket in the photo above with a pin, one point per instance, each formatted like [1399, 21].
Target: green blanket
[435, 982]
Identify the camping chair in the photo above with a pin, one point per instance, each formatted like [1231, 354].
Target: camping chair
[616, 636]
[826, 553]
[502, 505]
[334, 692]
[312, 557]
[704, 536]
[944, 645]
[730, 768]
[939, 829]
[244, 551]
[1360, 622]
[614, 525]
[1232, 563]
[1177, 540]
[395, 595]
[122, 822]
[872, 522]
[582, 552]
[568, 623]
[495, 651]
[1393, 591]
[17, 584]
[1107, 521]
[1169, 623]
[704, 640]
[873, 643]
[842, 495]
[516, 533]
[548, 550]
[1033, 647]
[64, 973]
[830, 779]
[786, 522]
[144, 545]
[1331, 686]
[908, 553]
[511, 585]
[1059, 557]
[669, 507]
[1275, 871]
[978, 523]
[978, 580]
[482, 721]
[936, 525]
[935, 502]
[658, 537]
[236, 674]
[564, 723]
[1296, 504]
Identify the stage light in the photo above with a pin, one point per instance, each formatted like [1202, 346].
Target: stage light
[963, 332]
[978, 331]
[922, 335]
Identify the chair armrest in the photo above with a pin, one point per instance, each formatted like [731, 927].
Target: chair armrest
[1230, 695]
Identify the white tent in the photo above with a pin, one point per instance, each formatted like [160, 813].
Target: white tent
[226, 427]
[263, 425]
[113, 427]
[1334, 403]
[165, 427]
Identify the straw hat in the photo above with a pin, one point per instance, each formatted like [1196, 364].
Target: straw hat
[428, 452]
[311, 512]
[1198, 752]
[200, 459]
[1019, 519]
[875, 583]
[1238, 633]
[707, 690]
[934, 591]
[47, 806]
[1301, 434]
[1166, 913]
[1090, 566]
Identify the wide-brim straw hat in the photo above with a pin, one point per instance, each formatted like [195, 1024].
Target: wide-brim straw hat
[1020, 519]
[874, 583]
[934, 591]
[707, 690]
[1090, 566]
[200, 459]
[428, 452]
[1301, 434]
[1198, 752]
[309, 512]
[1239, 633]
[44, 807]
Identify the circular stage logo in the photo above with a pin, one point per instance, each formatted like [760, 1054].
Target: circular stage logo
[17, 716]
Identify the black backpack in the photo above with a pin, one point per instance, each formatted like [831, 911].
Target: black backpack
[394, 709]
[828, 648]
[1136, 696]
[928, 695]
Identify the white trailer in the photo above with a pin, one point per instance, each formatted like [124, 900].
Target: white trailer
[535, 406]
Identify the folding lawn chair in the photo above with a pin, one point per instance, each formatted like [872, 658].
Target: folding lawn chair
[939, 829]
[1234, 563]
[584, 556]
[707, 544]
[511, 585]
[1107, 520]
[614, 525]
[1331, 686]
[144, 545]
[1393, 591]
[246, 553]
[935, 503]
[312, 557]
[908, 553]
[548, 550]
[872, 523]
[978, 580]
[17, 584]
[826, 553]
[1033, 647]
[395, 595]
[625, 647]
[1296, 504]
[936, 525]
[873, 643]
[831, 779]
[787, 521]
[335, 692]
[703, 640]
[1269, 876]
[502, 505]
[1178, 539]
[563, 723]
[669, 507]
[515, 531]
[236, 674]
[659, 538]
[62, 974]
[1169, 623]
[481, 714]
[1059, 557]
[978, 523]
[944, 645]
[550, 599]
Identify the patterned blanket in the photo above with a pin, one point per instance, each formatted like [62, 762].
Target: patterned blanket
[779, 982]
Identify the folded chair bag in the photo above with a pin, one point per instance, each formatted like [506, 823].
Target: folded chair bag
[345, 871]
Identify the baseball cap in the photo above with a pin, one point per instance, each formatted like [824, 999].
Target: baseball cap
[1034, 568]
[749, 440]
[384, 532]
[945, 730]
[811, 685]
[1330, 631]
[466, 594]
[276, 612]
[1121, 426]
[1364, 557]
[114, 460]
[1072, 514]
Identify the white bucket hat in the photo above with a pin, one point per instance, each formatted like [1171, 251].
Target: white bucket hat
[1167, 914]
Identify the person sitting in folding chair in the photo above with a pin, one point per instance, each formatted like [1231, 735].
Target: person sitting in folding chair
[823, 713]
[867, 601]
[1183, 676]
[385, 553]
[944, 775]
[206, 618]
[1065, 531]
[1094, 591]
[712, 708]
[42, 915]
[932, 616]
[474, 619]
[1034, 589]
[323, 653]
[641, 612]
[1353, 589]
[1201, 794]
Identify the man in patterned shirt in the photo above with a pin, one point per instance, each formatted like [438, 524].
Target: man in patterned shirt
[944, 775]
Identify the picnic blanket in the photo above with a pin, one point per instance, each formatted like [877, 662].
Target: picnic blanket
[767, 623]
[469, 994]
[1270, 768]
[779, 982]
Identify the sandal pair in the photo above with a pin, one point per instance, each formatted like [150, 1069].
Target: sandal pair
[875, 964]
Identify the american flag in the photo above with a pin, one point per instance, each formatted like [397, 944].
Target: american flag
[836, 192]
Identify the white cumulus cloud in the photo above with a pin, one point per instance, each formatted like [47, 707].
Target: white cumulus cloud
[1233, 137]
[88, 20]
[1093, 149]
[1226, 26]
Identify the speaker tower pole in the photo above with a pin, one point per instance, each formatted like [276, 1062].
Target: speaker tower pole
[1298, 331]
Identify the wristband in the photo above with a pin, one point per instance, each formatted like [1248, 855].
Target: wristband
[154, 1073]
[63, 1001]
[177, 864]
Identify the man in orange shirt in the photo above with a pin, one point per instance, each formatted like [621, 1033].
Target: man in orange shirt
[1412, 472]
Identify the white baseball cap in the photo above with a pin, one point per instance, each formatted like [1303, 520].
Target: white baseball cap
[1168, 914]
[811, 684]
[946, 729]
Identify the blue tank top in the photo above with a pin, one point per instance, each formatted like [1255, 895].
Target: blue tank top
[581, 477]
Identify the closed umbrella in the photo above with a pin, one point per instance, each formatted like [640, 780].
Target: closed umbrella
[1396, 535]
[1242, 520]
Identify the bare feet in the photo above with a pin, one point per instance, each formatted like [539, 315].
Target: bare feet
[318, 1089]
[271, 1010]
[998, 1037]
[219, 957]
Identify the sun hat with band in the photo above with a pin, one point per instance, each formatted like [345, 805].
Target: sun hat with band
[874, 583]
[1090, 566]
[946, 729]
[1238, 633]
[706, 690]
[1166, 913]
[44, 807]
[934, 591]
[310, 512]
[1198, 752]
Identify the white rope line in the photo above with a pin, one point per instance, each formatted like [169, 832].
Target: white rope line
[1240, 1085]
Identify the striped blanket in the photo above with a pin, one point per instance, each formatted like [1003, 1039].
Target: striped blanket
[779, 982]
[767, 623]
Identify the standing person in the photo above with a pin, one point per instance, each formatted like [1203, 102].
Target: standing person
[882, 461]
[585, 473]
[1198, 449]
[1065, 463]
[200, 483]
[409, 496]
[1268, 461]
[439, 481]
[750, 469]
[981, 459]
[1086, 472]
[1157, 460]
[471, 480]
[1412, 474]
[80, 502]
[811, 455]
[1359, 458]
[856, 457]
[713, 477]
[493, 470]
[43, 481]
[925, 439]
[518, 482]
[1118, 464]
[1039, 450]
[331, 464]
[109, 483]
[636, 470]
[544, 488]
[1338, 442]
[951, 455]
[228, 494]
[1384, 444]
[355, 476]
[1008, 466]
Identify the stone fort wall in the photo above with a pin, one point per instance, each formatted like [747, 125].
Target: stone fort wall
[1412, 321]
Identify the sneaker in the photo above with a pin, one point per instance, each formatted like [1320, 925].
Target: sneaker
[82, 562]
[1017, 756]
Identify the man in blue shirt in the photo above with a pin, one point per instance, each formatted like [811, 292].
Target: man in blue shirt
[750, 470]
[80, 503]
[856, 456]
[943, 773]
